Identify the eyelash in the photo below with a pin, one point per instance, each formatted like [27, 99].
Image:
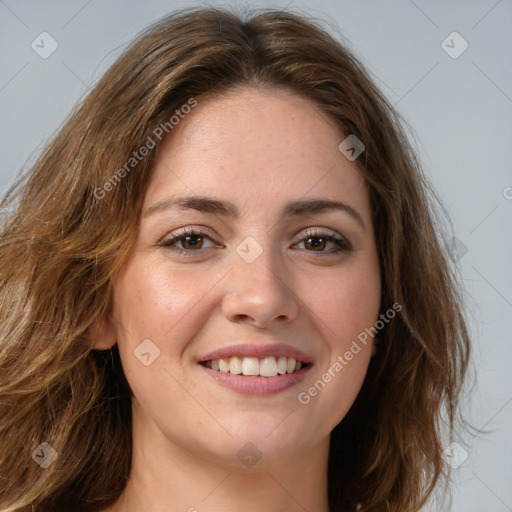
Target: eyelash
[342, 244]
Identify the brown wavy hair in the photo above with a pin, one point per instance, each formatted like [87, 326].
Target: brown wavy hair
[60, 247]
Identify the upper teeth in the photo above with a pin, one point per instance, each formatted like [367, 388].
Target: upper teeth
[266, 367]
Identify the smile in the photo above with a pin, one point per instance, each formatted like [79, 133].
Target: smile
[253, 366]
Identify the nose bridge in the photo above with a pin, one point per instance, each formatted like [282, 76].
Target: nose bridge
[259, 286]
[260, 261]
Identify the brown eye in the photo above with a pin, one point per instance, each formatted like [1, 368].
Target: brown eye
[315, 244]
[318, 241]
[192, 242]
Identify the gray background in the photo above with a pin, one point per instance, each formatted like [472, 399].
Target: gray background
[460, 108]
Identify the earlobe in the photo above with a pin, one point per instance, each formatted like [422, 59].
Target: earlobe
[101, 334]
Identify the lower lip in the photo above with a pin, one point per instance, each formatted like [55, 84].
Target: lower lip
[257, 386]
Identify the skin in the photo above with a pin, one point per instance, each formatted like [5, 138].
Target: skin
[253, 147]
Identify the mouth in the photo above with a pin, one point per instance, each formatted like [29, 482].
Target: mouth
[269, 367]
[256, 369]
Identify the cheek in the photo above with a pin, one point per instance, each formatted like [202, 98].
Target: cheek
[151, 300]
[348, 309]
[347, 303]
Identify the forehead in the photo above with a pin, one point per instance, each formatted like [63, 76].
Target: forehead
[256, 144]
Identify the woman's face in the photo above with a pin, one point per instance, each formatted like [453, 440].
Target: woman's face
[260, 280]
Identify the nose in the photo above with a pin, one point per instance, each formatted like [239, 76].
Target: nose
[260, 293]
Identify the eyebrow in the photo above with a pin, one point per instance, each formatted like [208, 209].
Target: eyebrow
[225, 208]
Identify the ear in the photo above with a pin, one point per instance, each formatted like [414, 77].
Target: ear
[101, 334]
[374, 346]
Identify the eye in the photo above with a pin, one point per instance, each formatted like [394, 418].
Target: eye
[316, 241]
[191, 239]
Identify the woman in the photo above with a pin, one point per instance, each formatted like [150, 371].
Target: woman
[223, 288]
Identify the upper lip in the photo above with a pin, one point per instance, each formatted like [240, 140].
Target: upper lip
[257, 350]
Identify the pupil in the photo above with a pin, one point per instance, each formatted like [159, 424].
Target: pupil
[316, 245]
[187, 240]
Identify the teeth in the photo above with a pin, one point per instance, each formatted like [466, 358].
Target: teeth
[224, 365]
[251, 366]
[235, 365]
[266, 367]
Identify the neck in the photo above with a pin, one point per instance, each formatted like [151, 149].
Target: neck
[168, 476]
